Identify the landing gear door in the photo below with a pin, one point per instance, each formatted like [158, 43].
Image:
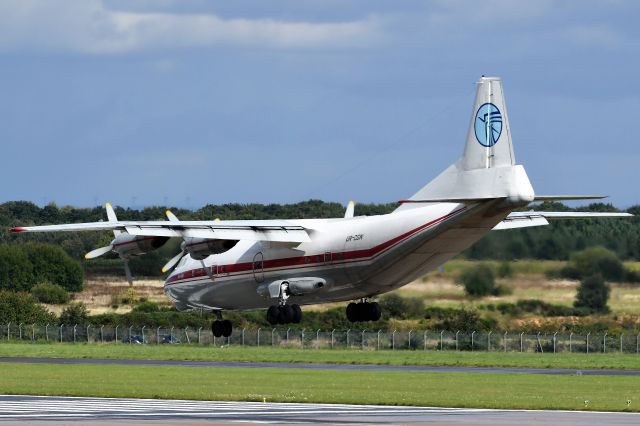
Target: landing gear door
[258, 267]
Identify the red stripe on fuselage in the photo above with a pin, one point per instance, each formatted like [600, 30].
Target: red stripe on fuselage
[311, 260]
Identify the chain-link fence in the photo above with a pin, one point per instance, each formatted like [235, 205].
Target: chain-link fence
[330, 339]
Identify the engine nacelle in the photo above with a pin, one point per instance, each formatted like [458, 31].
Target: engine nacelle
[201, 248]
[127, 245]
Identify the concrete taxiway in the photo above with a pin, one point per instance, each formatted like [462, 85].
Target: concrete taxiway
[64, 410]
[314, 366]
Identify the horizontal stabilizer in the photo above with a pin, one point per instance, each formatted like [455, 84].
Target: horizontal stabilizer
[538, 218]
[568, 197]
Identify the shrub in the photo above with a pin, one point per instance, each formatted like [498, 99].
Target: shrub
[52, 264]
[478, 281]
[22, 307]
[593, 294]
[457, 319]
[595, 260]
[16, 272]
[76, 313]
[396, 306]
[146, 307]
[504, 270]
[50, 293]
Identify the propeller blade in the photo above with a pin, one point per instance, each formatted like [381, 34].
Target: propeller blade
[127, 271]
[173, 262]
[98, 252]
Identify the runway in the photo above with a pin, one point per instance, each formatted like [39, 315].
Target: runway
[34, 410]
[314, 366]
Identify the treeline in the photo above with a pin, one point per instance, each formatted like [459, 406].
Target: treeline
[554, 242]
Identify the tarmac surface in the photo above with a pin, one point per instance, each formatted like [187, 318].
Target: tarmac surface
[313, 366]
[52, 410]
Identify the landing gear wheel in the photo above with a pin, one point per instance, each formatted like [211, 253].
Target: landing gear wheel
[376, 311]
[352, 309]
[272, 314]
[297, 314]
[216, 328]
[363, 311]
[287, 314]
[227, 328]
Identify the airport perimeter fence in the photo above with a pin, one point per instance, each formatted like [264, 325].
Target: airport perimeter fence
[333, 339]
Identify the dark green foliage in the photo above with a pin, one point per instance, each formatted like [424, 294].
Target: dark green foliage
[478, 281]
[535, 306]
[396, 306]
[592, 261]
[16, 271]
[146, 307]
[504, 270]
[73, 314]
[52, 294]
[453, 319]
[19, 307]
[52, 264]
[593, 294]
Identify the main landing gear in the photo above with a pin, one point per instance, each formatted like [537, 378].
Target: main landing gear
[220, 327]
[363, 311]
[284, 314]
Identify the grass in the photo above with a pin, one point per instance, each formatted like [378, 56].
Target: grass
[291, 355]
[354, 387]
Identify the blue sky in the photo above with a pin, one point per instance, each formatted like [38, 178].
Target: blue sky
[195, 102]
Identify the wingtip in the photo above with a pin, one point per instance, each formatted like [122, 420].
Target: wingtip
[17, 229]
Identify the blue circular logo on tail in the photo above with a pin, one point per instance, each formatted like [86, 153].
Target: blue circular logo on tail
[488, 124]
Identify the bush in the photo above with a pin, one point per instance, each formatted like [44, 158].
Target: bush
[52, 264]
[22, 308]
[76, 313]
[396, 306]
[478, 281]
[146, 307]
[593, 294]
[50, 293]
[16, 272]
[457, 319]
[592, 261]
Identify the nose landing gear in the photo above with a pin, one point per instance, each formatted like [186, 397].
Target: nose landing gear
[363, 311]
[220, 327]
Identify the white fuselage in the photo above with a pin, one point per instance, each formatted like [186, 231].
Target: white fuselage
[358, 257]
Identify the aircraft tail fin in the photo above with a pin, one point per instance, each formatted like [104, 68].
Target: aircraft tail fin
[487, 168]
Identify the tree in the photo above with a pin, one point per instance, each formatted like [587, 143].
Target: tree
[49, 293]
[593, 294]
[598, 260]
[76, 313]
[18, 307]
[16, 271]
[52, 264]
[478, 281]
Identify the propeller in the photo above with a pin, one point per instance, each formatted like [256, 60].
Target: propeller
[98, 252]
[174, 260]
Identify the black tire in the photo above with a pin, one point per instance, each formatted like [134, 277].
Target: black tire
[376, 311]
[272, 314]
[216, 328]
[227, 328]
[364, 311]
[352, 312]
[297, 314]
[287, 314]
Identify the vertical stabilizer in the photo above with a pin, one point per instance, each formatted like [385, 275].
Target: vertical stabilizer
[489, 135]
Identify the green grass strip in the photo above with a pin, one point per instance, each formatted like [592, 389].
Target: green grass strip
[338, 356]
[352, 387]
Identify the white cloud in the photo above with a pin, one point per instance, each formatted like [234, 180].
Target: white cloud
[87, 26]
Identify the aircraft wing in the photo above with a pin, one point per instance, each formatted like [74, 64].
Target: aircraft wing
[254, 230]
[534, 218]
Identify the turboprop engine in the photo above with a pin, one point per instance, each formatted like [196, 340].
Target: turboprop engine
[201, 248]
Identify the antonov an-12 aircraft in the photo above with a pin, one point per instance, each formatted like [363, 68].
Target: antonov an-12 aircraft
[283, 264]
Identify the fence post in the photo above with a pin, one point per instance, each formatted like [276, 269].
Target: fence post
[33, 334]
[589, 333]
[380, 331]
[472, 334]
[258, 336]
[332, 333]
[46, 332]
[521, 343]
[362, 339]
[638, 343]
[441, 339]
[158, 336]
[142, 331]
[171, 335]
[621, 334]
[425, 340]
[318, 338]
[88, 332]
[272, 340]
[130, 330]
[348, 331]
[604, 342]
[302, 338]
[540, 343]
[75, 327]
[393, 340]
[116, 336]
[199, 335]
[409, 343]
[186, 334]
[457, 332]
[20, 331]
[243, 336]
[489, 341]
[505, 341]
[61, 325]
[8, 331]
[554, 342]
[570, 342]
